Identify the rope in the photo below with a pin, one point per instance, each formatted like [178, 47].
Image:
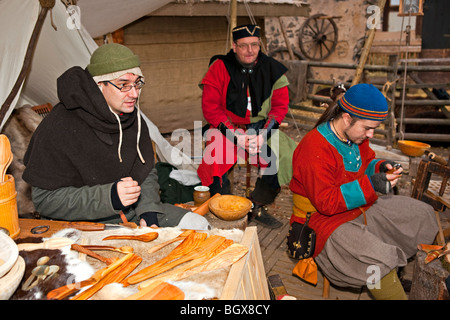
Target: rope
[249, 12]
[387, 87]
[253, 21]
[47, 3]
[229, 27]
[295, 122]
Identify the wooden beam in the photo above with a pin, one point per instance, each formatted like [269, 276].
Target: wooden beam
[286, 39]
[395, 49]
[221, 9]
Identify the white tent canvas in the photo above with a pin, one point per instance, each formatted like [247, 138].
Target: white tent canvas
[57, 50]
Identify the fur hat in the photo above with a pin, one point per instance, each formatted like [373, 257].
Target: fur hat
[111, 58]
[248, 30]
[364, 101]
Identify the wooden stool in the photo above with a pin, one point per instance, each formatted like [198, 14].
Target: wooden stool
[326, 288]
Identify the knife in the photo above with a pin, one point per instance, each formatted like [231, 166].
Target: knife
[92, 226]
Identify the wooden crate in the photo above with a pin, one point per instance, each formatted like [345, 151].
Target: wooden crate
[247, 277]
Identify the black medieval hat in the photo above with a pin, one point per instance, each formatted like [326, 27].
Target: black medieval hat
[248, 30]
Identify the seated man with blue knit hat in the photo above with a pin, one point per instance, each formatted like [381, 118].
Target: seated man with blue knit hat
[91, 157]
[364, 233]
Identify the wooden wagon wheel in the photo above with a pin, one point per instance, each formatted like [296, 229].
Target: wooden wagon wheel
[318, 37]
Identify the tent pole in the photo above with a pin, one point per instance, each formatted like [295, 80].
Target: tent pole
[26, 63]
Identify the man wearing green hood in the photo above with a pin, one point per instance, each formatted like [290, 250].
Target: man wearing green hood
[91, 157]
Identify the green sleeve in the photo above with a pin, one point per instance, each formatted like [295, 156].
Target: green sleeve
[149, 200]
[71, 203]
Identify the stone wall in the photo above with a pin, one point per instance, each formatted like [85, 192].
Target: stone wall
[350, 19]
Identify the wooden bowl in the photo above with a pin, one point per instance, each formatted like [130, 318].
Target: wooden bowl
[10, 282]
[8, 253]
[413, 148]
[229, 207]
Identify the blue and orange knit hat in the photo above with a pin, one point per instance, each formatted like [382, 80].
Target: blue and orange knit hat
[365, 102]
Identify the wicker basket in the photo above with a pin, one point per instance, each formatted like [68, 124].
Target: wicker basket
[228, 207]
[10, 282]
[413, 148]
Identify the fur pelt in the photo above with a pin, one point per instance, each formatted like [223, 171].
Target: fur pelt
[19, 128]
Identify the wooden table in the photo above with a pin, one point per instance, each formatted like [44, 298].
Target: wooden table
[246, 279]
[54, 226]
[26, 225]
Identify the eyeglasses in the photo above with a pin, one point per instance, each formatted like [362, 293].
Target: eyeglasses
[245, 46]
[127, 87]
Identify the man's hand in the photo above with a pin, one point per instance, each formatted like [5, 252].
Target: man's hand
[393, 171]
[389, 166]
[242, 140]
[128, 191]
[381, 183]
[143, 223]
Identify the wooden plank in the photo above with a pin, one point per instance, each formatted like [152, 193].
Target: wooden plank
[275, 249]
[271, 260]
[304, 291]
[247, 277]
[394, 49]
[274, 237]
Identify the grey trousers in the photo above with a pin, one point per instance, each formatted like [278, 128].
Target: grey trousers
[357, 254]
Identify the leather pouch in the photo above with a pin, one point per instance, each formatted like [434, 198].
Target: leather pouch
[301, 240]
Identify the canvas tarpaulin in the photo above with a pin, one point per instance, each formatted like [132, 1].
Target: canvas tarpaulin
[175, 54]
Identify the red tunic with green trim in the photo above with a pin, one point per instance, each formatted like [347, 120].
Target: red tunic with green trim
[334, 176]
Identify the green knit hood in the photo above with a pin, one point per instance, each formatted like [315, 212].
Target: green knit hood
[112, 57]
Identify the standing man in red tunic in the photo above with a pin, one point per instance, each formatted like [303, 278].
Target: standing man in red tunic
[245, 98]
